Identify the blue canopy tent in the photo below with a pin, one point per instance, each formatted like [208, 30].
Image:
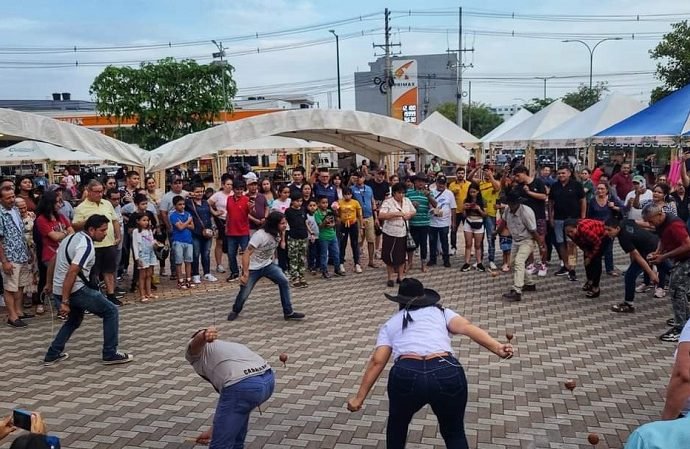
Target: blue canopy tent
[664, 123]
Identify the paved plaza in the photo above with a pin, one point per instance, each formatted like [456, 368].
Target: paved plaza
[159, 402]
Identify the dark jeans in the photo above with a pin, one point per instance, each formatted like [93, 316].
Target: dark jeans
[593, 270]
[202, 250]
[608, 256]
[235, 404]
[313, 255]
[126, 250]
[550, 241]
[434, 235]
[235, 243]
[634, 271]
[96, 303]
[352, 233]
[275, 274]
[490, 231]
[440, 383]
[420, 234]
[459, 221]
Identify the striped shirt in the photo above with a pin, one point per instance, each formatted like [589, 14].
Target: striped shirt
[421, 203]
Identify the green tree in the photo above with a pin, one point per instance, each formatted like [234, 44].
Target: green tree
[168, 99]
[673, 60]
[537, 104]
[585, 97]
[478, 120]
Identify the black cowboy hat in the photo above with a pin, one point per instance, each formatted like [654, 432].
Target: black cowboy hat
[514, 197]
[412, 293]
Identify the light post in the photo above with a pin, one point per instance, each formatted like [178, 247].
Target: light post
[220, 54]
[544, 78]
[591, 52]
[337, 59]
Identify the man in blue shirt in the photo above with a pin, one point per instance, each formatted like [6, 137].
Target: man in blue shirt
[324, 187]
[365, 196]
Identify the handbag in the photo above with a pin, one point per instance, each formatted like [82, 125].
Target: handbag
[206, 233]
[409, 240]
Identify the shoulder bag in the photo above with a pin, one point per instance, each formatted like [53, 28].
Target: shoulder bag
[206, 233]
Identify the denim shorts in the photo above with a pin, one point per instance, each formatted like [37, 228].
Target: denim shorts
[559, 231]
[184, 252]
[506, 243]
[148, 257]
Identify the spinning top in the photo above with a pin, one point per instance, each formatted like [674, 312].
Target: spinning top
[570, 384]
[509, 336]
[593, 439]
[283, 358]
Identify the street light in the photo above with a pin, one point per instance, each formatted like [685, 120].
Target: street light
[221, 54]
[591, 52]
[337, 58]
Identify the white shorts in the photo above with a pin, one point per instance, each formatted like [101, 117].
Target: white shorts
[468, 228]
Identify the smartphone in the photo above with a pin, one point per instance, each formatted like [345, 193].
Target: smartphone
[22, 419]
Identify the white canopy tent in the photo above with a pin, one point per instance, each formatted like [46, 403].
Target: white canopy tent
[522, 135]
[439, 124]
[519, 117]
[269, 145]
[579, 130]
[24, 125]
[40, 152]
[370, 135]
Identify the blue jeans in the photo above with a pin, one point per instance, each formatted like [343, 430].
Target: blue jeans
[352, 233]
[95, 302]
[440, 383]
[608, 256]
[313, 255]
[434, 235]
[326, 248]
[235, 404]
[234, 243]
[202, 249]
[275, 274]
[490, 231]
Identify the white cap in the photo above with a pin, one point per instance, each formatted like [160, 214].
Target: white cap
[250, 177]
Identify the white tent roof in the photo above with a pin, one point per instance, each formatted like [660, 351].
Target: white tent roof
[577, 132]
[439, 124]
[37, 152]
[541, 122]
[24, 125]
[519, 117]
[276, 144]
[371, 135]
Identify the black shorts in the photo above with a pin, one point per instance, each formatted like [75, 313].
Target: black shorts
[106, 260]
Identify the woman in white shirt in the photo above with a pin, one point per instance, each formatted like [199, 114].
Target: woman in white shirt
[218, 203]
[395, 212]
[282, 203]
[418, 337]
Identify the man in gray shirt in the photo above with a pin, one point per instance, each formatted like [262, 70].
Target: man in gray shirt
[522, 224]
[243, 378]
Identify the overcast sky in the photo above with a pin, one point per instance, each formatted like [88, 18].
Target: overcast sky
[48, 29]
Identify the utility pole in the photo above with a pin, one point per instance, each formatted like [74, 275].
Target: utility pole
[544, 78]
[469, 108]
[388, 80]
[459, 66]
[337, 59]
[220, 54]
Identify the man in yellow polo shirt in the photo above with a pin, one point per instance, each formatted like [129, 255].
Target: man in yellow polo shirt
[106, 250]
[459, 187]
[490, 188]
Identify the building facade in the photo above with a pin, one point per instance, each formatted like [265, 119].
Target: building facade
[506, 111]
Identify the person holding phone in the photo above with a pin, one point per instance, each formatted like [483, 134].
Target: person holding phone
[22, 419]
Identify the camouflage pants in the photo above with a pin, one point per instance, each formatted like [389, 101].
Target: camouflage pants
[297, 251]
[679, 288]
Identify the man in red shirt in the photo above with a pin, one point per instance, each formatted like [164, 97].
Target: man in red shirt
[237, 227]
[622, 181]
[674, 244]
[590, 236]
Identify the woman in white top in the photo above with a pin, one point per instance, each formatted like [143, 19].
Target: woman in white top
[395, 212]
[218, 203]
[418, 337]
[282, 203]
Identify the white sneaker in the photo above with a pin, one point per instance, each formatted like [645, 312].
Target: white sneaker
[341, 268]
[358, 268]
[210, 278]
[659, 292]
[196, 279]
[531, 269]
[642, 288]
[492, 266]
[220, 269]
[543, 269]
[165, 271]
[452, 251]
[377, 254]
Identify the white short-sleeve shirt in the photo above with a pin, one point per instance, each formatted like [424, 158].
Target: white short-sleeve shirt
[685, 338]
[445, 202]
[426, 334]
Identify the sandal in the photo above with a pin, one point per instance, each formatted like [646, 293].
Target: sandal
[587, 287]
[182, 285]
[144, 299]
[592, 293]
[623, 307]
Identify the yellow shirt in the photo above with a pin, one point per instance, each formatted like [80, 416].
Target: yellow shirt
[489, 195]
[88, 208]
[348, 211]
[459, 189]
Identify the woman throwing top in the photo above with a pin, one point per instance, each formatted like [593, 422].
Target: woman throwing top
[425, 370]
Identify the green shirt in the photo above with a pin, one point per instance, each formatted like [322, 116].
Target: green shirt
[325, 233]
[421, 203]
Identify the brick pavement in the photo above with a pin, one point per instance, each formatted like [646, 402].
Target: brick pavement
[158, 402]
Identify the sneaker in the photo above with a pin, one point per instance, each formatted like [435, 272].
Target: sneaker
[340, 272]
[210, 278]
[480, 267]
[513, 296]
[623, 307]
[659, 292]
[358, 268]
[196, 279]
[296, 283]
[40, 310]
[505, 268]
[118, 359]
[561, 272]
[446, 263]
[120, 291]
[672, 335]
[232, 316]
[492, 266]
[326, 275]
[529, 288]
[115, 300]
[377, 254]
[59, 358]
[572, 276]
[220, 269]
[543, 269]
[341, 268]
[531, 269]
[233, 277]
[452, 251]
[465, 267]
[119, 294]
[17, 324]
[294, 316]
[642, 288]
[671, 322]
[431, 263]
